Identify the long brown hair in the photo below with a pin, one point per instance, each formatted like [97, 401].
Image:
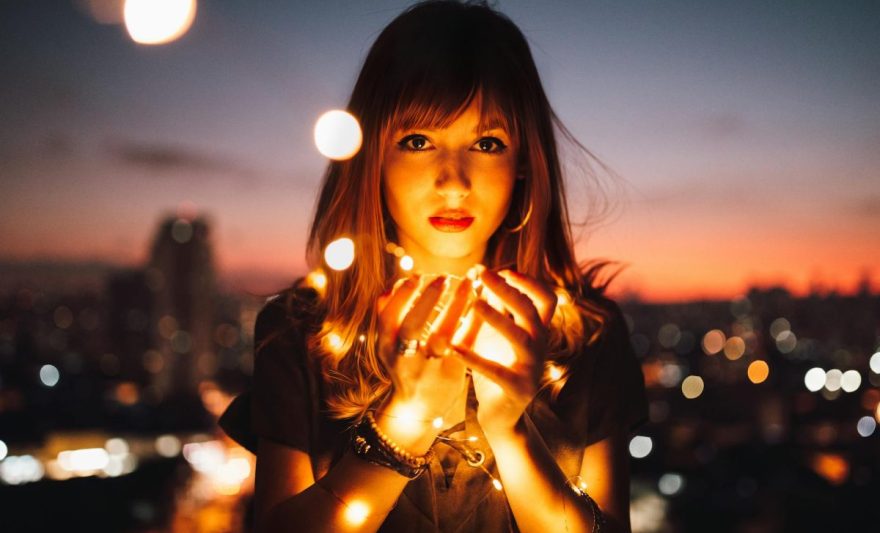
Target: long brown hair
[424, 69]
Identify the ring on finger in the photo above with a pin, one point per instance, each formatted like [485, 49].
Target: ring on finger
[407, 347]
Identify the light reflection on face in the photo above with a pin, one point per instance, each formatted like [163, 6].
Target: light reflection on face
[449, 189]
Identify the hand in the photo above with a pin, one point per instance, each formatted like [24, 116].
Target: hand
[531, 304]
[424, 382]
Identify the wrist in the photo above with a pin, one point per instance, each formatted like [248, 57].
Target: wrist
[407, 424]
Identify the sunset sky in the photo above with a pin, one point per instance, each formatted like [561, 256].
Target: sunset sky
[745, 135]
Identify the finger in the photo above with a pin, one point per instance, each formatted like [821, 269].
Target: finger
[524, 313]
[492, 370]
[441, 337]
[390, 315]
[542, 297]
[413, 324]
[386, 296]
[517, 336]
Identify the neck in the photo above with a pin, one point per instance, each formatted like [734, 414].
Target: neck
[427, 263]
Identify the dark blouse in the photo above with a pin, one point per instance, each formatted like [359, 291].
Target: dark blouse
[604, 391]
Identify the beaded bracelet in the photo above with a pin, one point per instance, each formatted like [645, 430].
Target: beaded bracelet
[369, 443]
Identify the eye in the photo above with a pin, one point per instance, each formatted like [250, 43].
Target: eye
[414, 143]
[490, 145]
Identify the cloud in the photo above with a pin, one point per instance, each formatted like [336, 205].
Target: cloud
[167, 159]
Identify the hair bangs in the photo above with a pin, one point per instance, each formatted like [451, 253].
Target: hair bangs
[430, 106]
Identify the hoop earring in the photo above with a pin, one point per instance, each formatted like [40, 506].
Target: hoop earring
[525, 219]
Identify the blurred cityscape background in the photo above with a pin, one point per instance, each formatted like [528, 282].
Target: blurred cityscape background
[153, 196]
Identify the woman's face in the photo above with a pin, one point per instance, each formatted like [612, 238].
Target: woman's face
[448, 190]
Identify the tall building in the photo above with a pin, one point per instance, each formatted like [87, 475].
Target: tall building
[181, 276]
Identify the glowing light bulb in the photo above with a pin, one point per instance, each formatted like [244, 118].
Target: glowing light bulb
[362, 338]
[474, 439]
[317, 280]
[562, 297]
[338, 135]
[158, 21]
[497, 484]
[356, 512]
[437, 422]
[554, 372]
[406, 263]
[334, 343]
[339, 254]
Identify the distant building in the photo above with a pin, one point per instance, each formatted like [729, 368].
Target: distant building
[181, 276]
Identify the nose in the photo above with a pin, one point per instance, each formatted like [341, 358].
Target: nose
[452, 180]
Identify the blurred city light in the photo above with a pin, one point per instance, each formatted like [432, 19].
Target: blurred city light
[832, 379]
[778, 327]
[850, 381]
[814, 379]
[670, 484]
[167, 445]
[692, 387]
[18, 469]
[713, 341]
[875, 363]
[640, 446]
[866, 426]
[668, 335]
[786, 341]
[49, 375]
[338, 135]
[758, 371]
[158, 21]
[734, 348]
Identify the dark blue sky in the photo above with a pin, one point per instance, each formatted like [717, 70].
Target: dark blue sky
[745, 133]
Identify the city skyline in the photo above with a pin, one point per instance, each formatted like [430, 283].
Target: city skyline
[745, 138]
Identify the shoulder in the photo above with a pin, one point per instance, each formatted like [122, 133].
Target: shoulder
[294, 311]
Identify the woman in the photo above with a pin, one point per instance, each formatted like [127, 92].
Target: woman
[381, 400]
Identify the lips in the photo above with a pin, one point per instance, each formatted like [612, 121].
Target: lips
[451, 221]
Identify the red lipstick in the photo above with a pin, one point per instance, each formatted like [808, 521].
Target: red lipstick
[451, 220]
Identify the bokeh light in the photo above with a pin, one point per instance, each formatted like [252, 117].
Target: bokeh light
[779, 326]
[338, 135]
[850, 381]
[668, 335]
[814, 379]
[866, 426]
[734, 348]
[406, 263]
[3, 450]
[339, 254]
[875, 363]
[670, 484]
[640, 446]
[168, 445]
[713, 341]
[158, 21]
[832, 379]
[356, 512]
[786, 342]
[758, 371]
[49, 375]
[692, 387]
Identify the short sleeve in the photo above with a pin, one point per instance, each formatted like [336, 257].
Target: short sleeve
[605, 390]
[279, 405]
[616, 390]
